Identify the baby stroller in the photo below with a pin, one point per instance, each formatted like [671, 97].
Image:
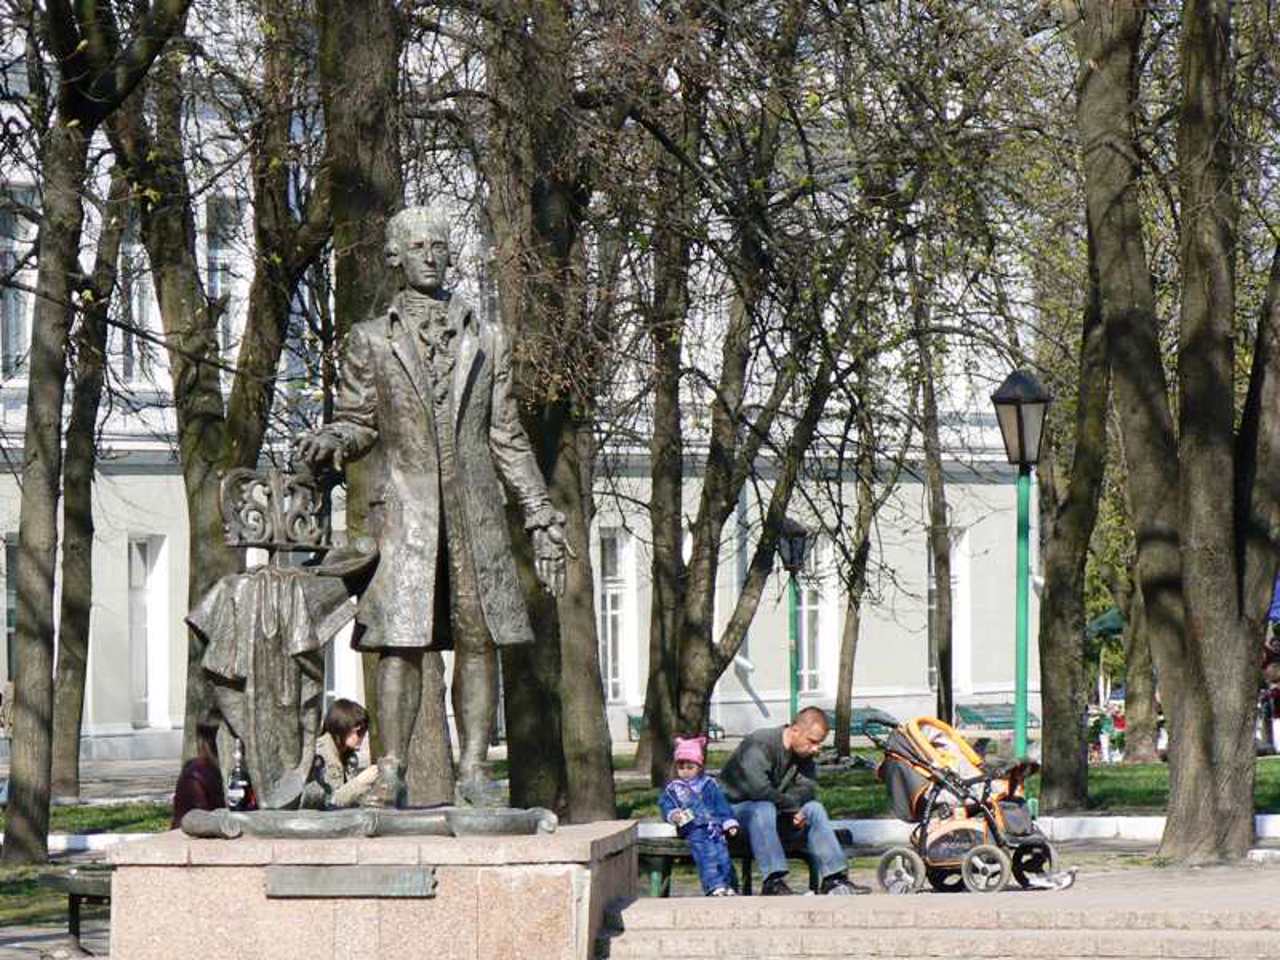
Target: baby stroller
[973, 829]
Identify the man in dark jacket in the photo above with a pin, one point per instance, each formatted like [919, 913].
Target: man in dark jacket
[772, 783]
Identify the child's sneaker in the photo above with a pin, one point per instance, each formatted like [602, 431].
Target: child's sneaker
[723, 892]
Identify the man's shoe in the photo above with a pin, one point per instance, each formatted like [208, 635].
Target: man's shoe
[838, 885]
[775, 885]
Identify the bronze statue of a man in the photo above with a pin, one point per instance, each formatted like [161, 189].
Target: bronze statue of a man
[425, 393]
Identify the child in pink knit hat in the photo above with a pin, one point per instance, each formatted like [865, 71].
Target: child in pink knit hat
[693, 803]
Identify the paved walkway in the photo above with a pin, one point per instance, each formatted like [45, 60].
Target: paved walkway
[1113, 911]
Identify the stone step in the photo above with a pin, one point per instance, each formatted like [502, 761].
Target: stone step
[807, 943]
[1008, 911]
[1140, 913]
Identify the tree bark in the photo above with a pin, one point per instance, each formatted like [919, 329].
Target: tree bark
[939, 523]
[155, 164]
[1202, 571]
[359, 61]
[1064, 691]
[95, 76]
[1210, 805]
[673, 233]
[855, 582]
[77, 485]
[209, 442]
[1140, 731]
[30, 766]
[540, 184]
[1107, 40]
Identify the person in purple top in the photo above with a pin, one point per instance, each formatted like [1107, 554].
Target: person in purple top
[693, 803]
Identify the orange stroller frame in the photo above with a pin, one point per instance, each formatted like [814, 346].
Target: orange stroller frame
[972, 825]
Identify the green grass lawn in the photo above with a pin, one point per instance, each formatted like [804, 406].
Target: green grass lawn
[114, 818]
[853, 794]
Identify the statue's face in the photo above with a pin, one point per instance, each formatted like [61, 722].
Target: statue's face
[424, 258]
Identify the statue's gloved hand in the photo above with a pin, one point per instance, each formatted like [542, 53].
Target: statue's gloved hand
[549, 550]
[319, 450]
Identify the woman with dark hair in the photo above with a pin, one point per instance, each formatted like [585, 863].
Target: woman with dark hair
[199, 784]
[345, 726]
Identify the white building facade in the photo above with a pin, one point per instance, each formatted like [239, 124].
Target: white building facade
[138, 647]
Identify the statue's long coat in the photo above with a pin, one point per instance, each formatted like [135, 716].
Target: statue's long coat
[383, 412]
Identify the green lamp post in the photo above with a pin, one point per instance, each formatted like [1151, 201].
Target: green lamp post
[793, 546]
[1021, 404]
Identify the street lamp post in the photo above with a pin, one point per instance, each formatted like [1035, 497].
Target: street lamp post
[1021, 403]
[793, 546]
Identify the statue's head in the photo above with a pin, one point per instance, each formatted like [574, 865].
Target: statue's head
[418, 244]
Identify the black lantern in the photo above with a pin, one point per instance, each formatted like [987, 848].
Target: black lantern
[1021, 404]
[793, 545]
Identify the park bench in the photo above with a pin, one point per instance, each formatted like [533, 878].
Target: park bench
[87, 884]
[861, 718]
[657, 855]
[637, 725]
[990, 716]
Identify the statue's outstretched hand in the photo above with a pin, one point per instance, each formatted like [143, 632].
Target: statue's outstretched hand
[549, 556]
[319, 450]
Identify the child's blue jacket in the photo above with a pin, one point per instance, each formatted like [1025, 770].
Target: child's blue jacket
[700, 796]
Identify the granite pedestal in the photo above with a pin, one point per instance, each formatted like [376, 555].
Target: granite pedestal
[540, 896]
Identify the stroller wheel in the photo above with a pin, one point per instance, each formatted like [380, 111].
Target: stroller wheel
[900, 871]
[986, 869]
[944, 881]
[1031, 859]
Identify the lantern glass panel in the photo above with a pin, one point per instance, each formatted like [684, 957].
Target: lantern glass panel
[1032, 430]
[1007, 416]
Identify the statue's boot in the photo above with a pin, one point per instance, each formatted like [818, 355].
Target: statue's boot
[475, 788]
[388, 789]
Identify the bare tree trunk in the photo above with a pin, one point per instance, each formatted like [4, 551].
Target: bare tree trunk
[856, 580]
[155, 162]
[1139, 686]
[540, 185]
[77, 512]
[667, 314]
[94, 76]
[1202, 571]
[588, 752]
[1107, 40]
[30, 767]
[1064, 691]
[844, 682]
[359, 61]
[1211, 807]
[939, 534]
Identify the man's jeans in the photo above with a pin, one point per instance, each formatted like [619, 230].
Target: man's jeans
[766, 829]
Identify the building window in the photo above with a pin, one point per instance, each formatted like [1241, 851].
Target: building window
[15, 322]
[139, 575]
[132, 345]
[812, 620]
[11, 604]
[933, 615]
[612, 599]
[222, 215]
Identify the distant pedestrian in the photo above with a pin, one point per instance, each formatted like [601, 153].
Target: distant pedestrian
[693, 803]
[199, 785]
[1106, 730]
